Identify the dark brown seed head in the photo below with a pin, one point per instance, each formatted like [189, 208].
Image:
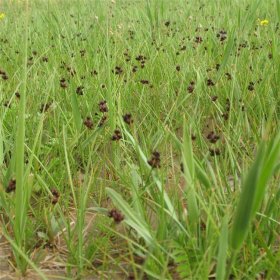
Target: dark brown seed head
[80, 90]
[154, 162]
[117, 135]
[71, 71]
[182, 167]
[251, 86]
[225, 116]
[167, 23]
[144, 82]
[193, 137]
[5, 77]
[94, 73]
[11, 186]
[116, 215]
[55, 196]
[222, 35]
[228, 76]
[63, 83]
[198, 39]
[212, 137]
[103, 106]
[88, 122]
[214, 98]
[210, 83]
[209, 135]
[191, 87]
[82, 53]
[45, 107]
[128, 118]
[202, 226]
[7, 104]
[102, 120]
[140, 58]
[118, 70]
[214, 152]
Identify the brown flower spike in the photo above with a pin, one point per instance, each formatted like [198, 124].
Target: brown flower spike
[116, 215]
[154, 162]
[88, 122]
[117, 135]
[127, 118]
[11, 186]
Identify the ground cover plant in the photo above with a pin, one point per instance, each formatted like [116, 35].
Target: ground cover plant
[139, 139]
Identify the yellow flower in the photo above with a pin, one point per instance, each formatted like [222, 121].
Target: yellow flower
[263, 22]
[2, 15]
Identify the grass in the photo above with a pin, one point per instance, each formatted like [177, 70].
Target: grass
[140, 139]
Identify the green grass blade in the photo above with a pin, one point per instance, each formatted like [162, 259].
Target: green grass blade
[250, 15]
[76, 112]
[222, 254]
[278, 8]
[201, 175]
[167, 200]
[1, 144]
[21, 203]
[227, 53]
[244, 210]
[268, 169]
[189, 174]
[131, 217]
[253, 190]
[21, 253]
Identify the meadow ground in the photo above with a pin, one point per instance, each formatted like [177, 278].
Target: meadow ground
[139, 139]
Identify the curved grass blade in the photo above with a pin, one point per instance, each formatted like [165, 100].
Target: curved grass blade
[253, 190]
[222, 254]
[244, 210]
[228, 51]
[268, 169]
[131, 217]
[76, 112]
[24, 256]
[1, 145]
[189, 174]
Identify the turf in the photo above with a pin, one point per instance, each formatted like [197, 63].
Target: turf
[139, 139]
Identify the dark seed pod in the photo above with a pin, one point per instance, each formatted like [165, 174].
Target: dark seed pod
[116, 215]
[117, 135]
[128, 118]
[154, 162]
[11, 186]
[88, 122]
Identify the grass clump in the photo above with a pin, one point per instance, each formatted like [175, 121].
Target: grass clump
[139, 139]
